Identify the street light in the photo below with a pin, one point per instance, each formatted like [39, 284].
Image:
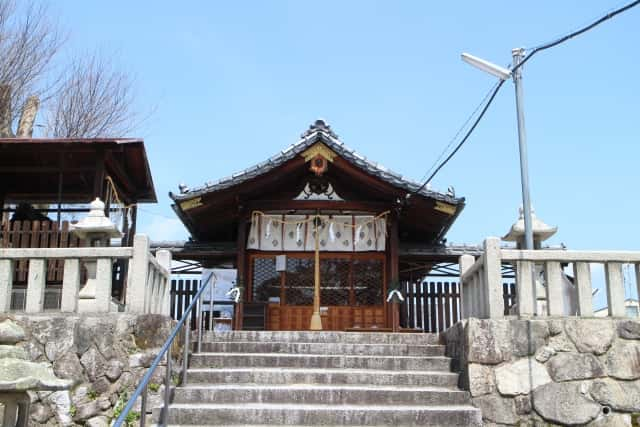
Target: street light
[503, 74]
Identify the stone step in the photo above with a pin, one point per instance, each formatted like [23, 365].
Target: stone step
[321, 376]
[324, 348]
[320, 394]
[340, 415]
[323, 337]
[228, 360]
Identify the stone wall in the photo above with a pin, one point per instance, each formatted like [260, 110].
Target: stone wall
[104, 354]
[564, 371]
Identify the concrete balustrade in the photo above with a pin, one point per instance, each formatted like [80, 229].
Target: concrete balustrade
[148, 281]
[481, 280]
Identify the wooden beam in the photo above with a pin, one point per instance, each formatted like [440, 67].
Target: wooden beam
[98, 179]
[122, 177]
[394, 267]
[241, 268]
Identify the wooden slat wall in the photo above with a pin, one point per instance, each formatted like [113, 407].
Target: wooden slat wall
[37, 234]
[435, 306]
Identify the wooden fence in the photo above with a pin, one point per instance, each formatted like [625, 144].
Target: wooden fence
[435, 306]
[38, 234]
[182, 293]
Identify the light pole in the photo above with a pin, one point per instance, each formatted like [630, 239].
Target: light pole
[516, 74]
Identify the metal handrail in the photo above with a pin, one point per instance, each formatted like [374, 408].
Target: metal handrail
[142, 387]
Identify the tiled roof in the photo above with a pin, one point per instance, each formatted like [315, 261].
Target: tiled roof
[319, 131]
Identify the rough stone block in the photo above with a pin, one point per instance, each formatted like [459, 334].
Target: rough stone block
[487, 341]
[545, 353]
[68, 367]
[629, 329]
[623, 360]
[564, 403]
[590, 335]
[527, 336]
[520, 377]
[93, 363]
[619, 395]
[496, 409]
[574, 366]
[481, 380]
[10, 332]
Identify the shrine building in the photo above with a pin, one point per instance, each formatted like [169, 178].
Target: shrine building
[370, 228]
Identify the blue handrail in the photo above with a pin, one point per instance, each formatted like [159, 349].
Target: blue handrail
[147, 377]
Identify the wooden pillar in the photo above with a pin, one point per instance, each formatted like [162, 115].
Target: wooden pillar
[98, 180]
[316, 320]
[241, 268]
[394, 267]
[132, 227]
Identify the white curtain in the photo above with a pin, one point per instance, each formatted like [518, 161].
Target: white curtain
[337, 233]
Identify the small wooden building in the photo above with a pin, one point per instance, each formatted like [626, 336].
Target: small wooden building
[375, 229]
[46, 181]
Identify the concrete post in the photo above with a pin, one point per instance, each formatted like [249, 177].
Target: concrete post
[615, 289]
[6, 284]
[582, 273]
[524, 293]
[35, 285]
[553, 279]
[139, 266]
[465, 261]
[164, 259]
[103, 285]
[493, 278]
[70, 285]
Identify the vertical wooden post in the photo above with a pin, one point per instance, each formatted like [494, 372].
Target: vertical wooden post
[316, 320]
[35, 285]
[98, 179]
[241, 268]
[394, 267]
[6, 284]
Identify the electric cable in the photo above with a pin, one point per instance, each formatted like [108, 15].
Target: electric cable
[531, 53]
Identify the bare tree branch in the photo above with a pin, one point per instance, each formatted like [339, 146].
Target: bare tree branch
[94, 99]
[29, 42]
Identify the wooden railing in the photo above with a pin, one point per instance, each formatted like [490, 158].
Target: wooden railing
[482, 288]
[147, 283]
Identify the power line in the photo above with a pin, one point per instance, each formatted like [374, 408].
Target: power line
[455, 137]
[576, 33]
[467, 135]
[533, 51]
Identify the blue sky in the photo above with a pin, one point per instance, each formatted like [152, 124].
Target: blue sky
[232, 83]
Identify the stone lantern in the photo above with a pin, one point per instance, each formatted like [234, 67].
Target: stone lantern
[541, 232]
[96, 229]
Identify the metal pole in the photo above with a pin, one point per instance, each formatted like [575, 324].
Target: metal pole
[185, 356]
[167, 390]
[518, 55]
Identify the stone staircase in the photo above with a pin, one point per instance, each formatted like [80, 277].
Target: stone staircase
[321, 378]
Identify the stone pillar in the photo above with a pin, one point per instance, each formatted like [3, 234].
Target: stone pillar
[139, 267]
[164, 259]
[493, 278]
[6, 284]
[465, 261]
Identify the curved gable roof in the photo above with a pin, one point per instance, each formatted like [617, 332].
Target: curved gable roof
[319, 131]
